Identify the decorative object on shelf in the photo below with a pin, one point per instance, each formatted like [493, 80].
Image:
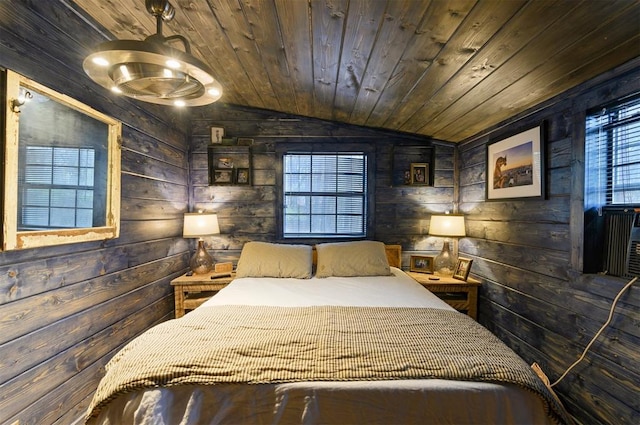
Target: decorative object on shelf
[245, 141]
[447, 225]
[198, 225]
[225, 163]
[406, 155]
[420, 174]
[152, 70]
[243, 176]
[421, 264]
[515, 166]
[223, 267]
[217, 133]
[223, 176]
[462, 268]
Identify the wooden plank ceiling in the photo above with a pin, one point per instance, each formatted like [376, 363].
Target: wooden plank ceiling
[441, 68]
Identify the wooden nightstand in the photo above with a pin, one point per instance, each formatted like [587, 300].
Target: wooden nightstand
[191, 291]
[461, 295]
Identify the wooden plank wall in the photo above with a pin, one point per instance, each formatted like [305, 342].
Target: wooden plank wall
[531, 296]
[65, 310]
[249, 213]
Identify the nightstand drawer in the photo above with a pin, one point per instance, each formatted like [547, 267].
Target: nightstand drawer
[193, 300]
[192, 291]
[459, 294]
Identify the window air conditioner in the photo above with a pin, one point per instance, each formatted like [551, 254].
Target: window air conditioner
[632, 266]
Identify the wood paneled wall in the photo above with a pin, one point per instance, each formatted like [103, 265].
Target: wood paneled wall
[65, 310]
[249, 212]
[532, 297]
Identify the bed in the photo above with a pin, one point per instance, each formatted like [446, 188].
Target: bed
[334, 335]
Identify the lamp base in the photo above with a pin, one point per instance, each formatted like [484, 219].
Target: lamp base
[445, 262]
[201, 262]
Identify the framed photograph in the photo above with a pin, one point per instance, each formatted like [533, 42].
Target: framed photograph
[462, 268]
[216, 135]
[245, 141]
[225, 163]
[421, 264]
[420, 173]
[515, 166]
[223, 176]
[243, 176]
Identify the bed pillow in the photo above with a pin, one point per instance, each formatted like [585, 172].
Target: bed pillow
[361, 258]
[263, 259]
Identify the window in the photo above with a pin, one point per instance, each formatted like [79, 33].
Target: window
[62, 169]
[613, 155]
[612, 186]
[325, 195]
[58, 188]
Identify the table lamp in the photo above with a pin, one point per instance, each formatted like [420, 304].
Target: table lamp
[448, 225]
[197, 225]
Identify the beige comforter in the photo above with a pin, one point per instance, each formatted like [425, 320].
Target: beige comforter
[256, 345]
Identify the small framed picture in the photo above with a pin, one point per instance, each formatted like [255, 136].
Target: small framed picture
[223, 176]
[462, 268]
[243, 176]
[216, 135]
[421, 264]
[420, 174]
[225, 163]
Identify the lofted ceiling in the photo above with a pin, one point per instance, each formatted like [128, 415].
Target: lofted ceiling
[447, 69]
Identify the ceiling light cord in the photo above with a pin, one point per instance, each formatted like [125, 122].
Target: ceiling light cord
[584, 353]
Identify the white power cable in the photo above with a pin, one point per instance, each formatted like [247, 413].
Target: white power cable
[584, 353]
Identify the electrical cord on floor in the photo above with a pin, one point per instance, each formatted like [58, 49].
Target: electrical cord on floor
[584, 353]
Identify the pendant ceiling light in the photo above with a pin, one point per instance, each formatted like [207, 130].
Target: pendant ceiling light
[151, 70]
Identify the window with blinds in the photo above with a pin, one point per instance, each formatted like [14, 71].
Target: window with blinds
[57, 189]
[612, 155]
[324, 195]
[612, 186]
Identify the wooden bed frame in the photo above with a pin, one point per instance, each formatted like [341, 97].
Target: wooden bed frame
[394, 255]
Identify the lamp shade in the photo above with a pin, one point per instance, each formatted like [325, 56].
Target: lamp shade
[447, 225]
[197, 225]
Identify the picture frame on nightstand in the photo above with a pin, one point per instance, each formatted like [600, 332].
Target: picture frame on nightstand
[421, 264]
[462, 269]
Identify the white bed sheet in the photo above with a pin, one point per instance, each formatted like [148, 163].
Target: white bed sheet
[419, 401]
[399, 290]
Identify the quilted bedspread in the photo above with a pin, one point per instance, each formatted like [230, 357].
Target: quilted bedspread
[259, 345]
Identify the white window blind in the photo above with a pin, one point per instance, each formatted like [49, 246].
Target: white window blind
[57, 189]
[612, 155]
[325, 194]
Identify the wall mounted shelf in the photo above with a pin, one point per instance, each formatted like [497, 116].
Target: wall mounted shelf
[230, 165]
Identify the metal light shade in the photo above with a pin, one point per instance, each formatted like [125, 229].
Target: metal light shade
[151, 70]
[197, 225]
[448, 225]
